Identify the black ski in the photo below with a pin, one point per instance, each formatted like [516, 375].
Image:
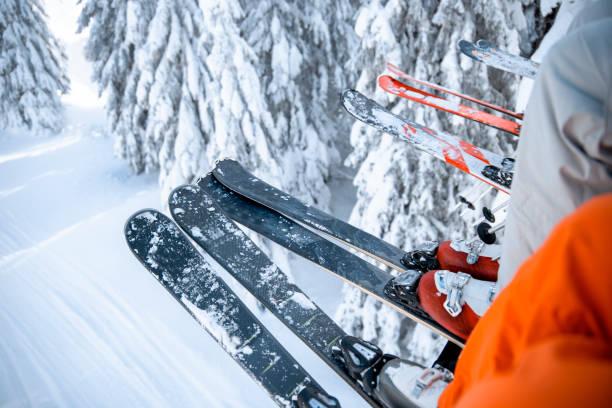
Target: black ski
[233, 176]
[166, 252]
[199, 215]
[326, 254]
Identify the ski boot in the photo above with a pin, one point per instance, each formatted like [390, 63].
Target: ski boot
[460, 290]
[453, 282]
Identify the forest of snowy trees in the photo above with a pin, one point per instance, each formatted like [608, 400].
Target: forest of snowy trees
[189, 82]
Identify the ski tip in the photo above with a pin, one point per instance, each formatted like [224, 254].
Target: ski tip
[146, 214]
[349, 94]
[356, 104]
[384, 80]
[348, 98]
[226, 164]
[466, 47]
[226, 161]
[137, 221]
[176, 196]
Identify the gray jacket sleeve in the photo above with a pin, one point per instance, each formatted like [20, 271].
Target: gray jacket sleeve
[564, 156]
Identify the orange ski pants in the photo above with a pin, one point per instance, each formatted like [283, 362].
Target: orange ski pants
[546, 341]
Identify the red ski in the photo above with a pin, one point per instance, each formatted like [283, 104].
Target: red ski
[400, 89]
[402, 74]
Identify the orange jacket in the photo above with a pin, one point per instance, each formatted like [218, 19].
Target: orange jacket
[547, 338]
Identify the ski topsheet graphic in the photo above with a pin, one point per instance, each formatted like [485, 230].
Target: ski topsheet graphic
[318, 250]
[486, 166]
[487, 53]
[397, 88]
[394, 69]
[200, 216]
[168, 255]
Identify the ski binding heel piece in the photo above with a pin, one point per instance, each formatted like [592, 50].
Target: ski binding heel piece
[363, 361]
[312, 396]
[423, 258]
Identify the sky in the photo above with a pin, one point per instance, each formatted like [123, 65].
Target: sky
[62, 21]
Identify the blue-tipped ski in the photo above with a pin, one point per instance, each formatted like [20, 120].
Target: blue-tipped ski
[167, 254]
[484, 51]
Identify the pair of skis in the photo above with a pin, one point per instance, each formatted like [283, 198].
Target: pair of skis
[167, 253]
[282, 218]
[480, 163]
[203, 212]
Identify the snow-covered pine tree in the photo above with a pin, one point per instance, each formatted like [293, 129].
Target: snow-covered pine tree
[32, 68]
[302, 48]
[404, 195]
[190, 82]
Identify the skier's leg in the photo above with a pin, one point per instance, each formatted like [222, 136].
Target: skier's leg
[547, 338]
[564, 155]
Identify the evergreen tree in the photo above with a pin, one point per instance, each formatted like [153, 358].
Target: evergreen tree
[302, 48]
[404, 195]
[191, 82]
[32, 68]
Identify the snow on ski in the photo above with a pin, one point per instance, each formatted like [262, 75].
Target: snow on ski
[167, 254]
[394, 69]
[202, 219]
[482, 164]
[313, 247]
[398, 88]
[233, 176]
[487, 53]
